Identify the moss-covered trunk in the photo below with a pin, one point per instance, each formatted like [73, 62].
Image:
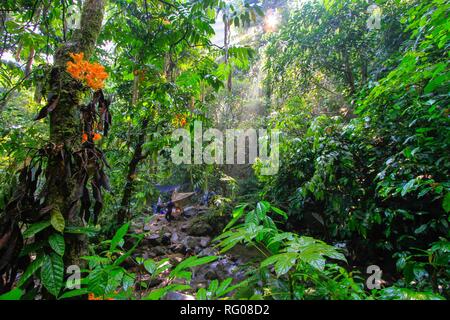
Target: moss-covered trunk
[65, 125]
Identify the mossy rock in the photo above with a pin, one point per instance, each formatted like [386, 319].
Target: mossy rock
[209, 223]
[199, 228]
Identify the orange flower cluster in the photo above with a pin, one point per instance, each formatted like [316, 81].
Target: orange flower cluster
[93, 74]
[96, 136]
[180, 120]
[91, 296]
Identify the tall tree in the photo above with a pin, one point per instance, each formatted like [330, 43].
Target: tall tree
[65, 126]
[68, 163]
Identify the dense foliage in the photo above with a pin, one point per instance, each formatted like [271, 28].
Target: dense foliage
[376, 175]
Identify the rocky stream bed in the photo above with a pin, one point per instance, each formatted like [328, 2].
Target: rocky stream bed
[183, 237]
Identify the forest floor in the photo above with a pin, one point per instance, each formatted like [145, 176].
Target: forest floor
[185, 236]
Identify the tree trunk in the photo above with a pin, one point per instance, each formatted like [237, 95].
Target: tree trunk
[227, 36]
[65, 126]
[348, 72]
[30, 61]
[138, 156]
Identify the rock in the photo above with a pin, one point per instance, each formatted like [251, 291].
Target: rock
[153, 239]
[190, 212]
[222, 270]
[147, 228]
[159, 251]
[136, 226]
[155, 282]
[196, 243]
[174, 237]
[192, 242]
[199, 228]
[205, 241]
[202, 243]
[143, 255]
[178, 248]
[164, 229]
[207, 252]
[178, 296]
[245, 253]
[165, 239]
[211, 275]
[175, 258]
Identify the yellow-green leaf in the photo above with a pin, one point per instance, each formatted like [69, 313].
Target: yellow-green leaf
[57, 220]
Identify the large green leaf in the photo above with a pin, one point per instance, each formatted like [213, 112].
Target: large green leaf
[35, 228]
[283, 262]
[279, 211]
[202, 294]
[150, 266]
[98, 281]
[52, 273]
[94, 261]
[57, 220]
[56, 242]
[161, 292]
[261, 209]
[73, 293]
[192, 262]
[32, 268]
[223, 288]
[89, 231]
[237, 214]
[118, 237]
[125, 256]
[435, 83]
[446, 203]
[14, 294]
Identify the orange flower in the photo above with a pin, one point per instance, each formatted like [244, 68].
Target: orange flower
[77, 69]
[96, 76]
[91, 296]
[77, 57]
[93, 74]
[179, 120]
[97, 136]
